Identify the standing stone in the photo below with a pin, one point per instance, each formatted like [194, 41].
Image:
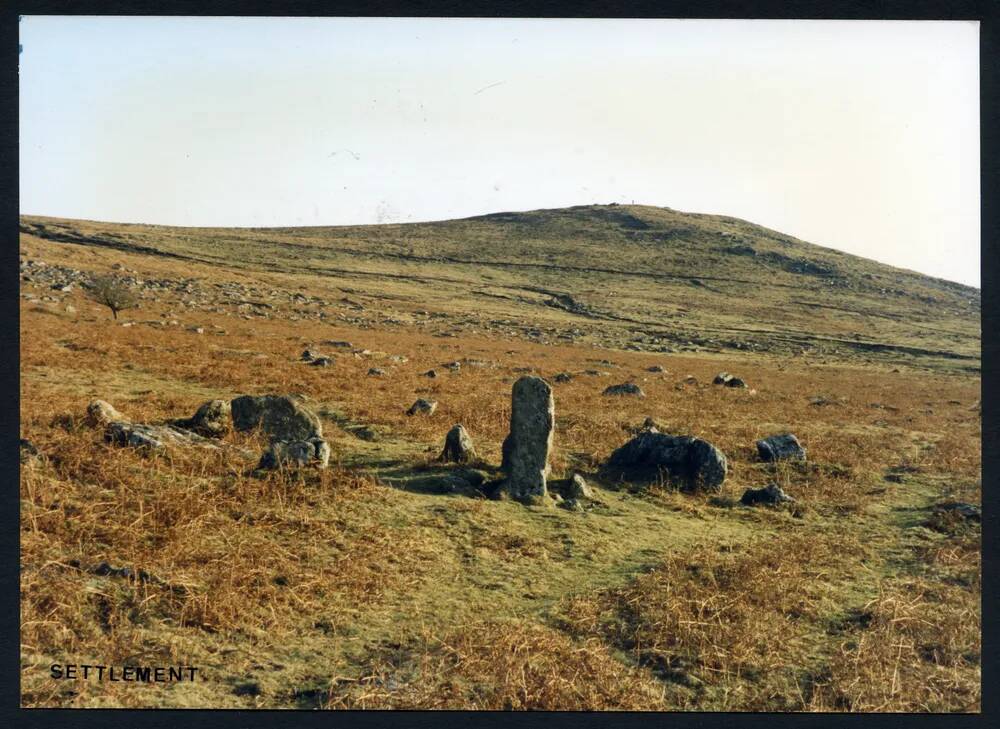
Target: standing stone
[526, 448]
[458, 446]
[211, 419]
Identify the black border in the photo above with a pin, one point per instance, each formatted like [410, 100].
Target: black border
[985, 11]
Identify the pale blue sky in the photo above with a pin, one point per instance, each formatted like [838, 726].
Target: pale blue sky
[858, 135]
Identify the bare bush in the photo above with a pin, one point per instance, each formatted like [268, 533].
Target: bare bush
[113, 293]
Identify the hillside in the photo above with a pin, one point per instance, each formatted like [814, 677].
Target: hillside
[387, 578]
[632, 277]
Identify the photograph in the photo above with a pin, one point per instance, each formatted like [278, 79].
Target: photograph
[499, 364]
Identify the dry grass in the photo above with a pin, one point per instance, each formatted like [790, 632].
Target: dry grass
[301, 582]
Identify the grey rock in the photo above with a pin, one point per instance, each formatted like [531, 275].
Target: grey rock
[422, 407]
[100, 413]
[278, 416]
[625, 389]
[722, 378]
[211, 420]
[430, 373]
[376, 372]
[458, 446]
[770, 495]
[151, 437]
[563, 377]
[321, 362]
[735, 382]
[578, 488]
[655, 368]
[527, 446]
[295, 454]
[339, 344]
[309, 355]
[691, 463]
[780, 447]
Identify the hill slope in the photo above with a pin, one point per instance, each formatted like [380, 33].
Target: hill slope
[633, 277]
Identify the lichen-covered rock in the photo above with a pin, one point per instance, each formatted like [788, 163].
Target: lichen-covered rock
[278, 416]
[625, 389]
[422, 407]
[579, 488]
[528, 444]
[152, 437]
[691, 463]
[212, 419]
[770, 495]
[458, 446]
[780, 447]
[295, 454]
[100, 413]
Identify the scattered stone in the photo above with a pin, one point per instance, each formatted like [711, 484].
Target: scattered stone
[210, 420]
[722, 378]
[340, 344]
[627, 388]
[293, 454]
[780, 447]
[770, 495]
[278, 416]
[655, 368]
[422, 407]
[692, 463]
[563, 377]
[308, 355]
[430, 373]
[458, 446]
[321, 362]
[571, 505]
[376, 372]
[453, 366]
[526, 448]
[197, 330]
[100, 413]
[735, 382]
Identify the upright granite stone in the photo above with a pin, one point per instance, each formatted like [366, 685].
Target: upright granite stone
[526, 448]
[279, 416]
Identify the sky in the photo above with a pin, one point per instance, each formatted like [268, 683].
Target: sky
[857, 135]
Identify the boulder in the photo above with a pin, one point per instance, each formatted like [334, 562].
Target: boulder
[278, 416]
[780, 447]
[735, 382]
[211, 420]
[691, 463]
[297, 453]
[625, 389]
[770, 495]
[526, 448]
[422, 407]
[458, 446]
[101, 413]
[722, 378]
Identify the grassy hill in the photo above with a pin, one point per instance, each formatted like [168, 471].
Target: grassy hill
[371, 584]
[618, 276]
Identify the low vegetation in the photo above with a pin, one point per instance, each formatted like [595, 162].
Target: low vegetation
[357, 587]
